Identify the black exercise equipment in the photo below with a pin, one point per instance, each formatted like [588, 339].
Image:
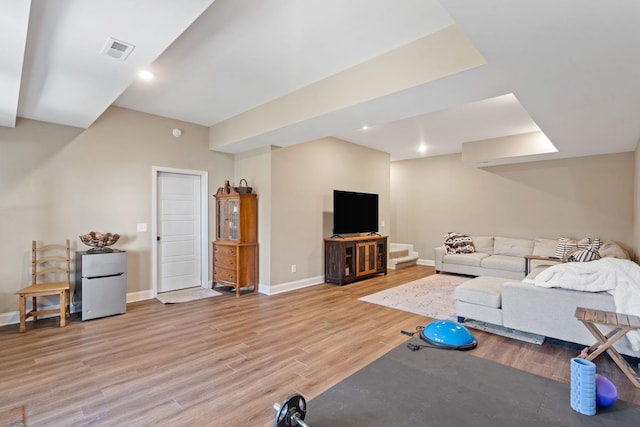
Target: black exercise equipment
[291, 413]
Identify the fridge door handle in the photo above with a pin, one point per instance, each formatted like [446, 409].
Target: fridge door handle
[108, 275]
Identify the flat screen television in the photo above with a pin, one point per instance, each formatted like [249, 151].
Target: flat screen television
[354, 212]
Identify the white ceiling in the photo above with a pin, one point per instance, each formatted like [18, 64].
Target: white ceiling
[567, 68]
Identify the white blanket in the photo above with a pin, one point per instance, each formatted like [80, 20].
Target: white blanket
[619, 277]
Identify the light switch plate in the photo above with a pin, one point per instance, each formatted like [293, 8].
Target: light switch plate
[142, 228]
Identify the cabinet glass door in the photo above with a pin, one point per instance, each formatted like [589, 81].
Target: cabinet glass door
[234, 218]
[222, 219]
[381, 255]
[349, 260]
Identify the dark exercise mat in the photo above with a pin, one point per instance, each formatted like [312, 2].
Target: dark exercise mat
[436, 387]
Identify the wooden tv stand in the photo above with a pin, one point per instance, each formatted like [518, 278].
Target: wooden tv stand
[347, 259]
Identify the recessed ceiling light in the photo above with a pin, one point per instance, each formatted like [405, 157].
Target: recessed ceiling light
[145, 75]
[365, 127]
[422, 148]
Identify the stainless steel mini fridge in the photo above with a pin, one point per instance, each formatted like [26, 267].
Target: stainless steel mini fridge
[100, 284]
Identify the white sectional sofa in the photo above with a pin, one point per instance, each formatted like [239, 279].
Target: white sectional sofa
[495, 256]
[499, 296]
[549, 312]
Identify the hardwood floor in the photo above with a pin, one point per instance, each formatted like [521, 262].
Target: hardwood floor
[224, 361]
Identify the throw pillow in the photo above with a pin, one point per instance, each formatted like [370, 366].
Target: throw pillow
[567, 245]
[561, 248]
[584, 255]
[456, 243]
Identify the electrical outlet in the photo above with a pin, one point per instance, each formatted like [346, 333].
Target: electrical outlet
[293, 268]
[142, 228]
[382, 223]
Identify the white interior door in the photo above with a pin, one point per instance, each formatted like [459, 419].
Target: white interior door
[178, 231]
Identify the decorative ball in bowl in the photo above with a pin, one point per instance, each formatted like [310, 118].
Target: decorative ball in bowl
[99, 242]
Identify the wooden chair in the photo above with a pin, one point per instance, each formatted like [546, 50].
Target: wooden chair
[47, 263]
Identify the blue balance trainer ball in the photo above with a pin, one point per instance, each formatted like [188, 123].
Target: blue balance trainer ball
[447, 333]
[606, 392]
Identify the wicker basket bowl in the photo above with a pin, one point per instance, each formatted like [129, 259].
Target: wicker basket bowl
[99, 240]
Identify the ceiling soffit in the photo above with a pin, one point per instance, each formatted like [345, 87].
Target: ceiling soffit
[441, 54]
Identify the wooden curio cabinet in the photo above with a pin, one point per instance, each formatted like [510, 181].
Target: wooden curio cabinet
[235, 250]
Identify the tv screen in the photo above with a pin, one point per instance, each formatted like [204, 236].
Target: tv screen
[354, 212]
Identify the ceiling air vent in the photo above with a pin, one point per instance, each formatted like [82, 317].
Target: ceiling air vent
[117, 49]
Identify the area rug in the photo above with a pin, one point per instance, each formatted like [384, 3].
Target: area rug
[13, 417]
[434, 387]
[432, 296]
[186, 295]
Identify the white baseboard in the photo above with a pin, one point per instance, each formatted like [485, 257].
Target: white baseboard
[290, 286]
[13, 317]
[430, 262]
[9, 318]
[140, 296]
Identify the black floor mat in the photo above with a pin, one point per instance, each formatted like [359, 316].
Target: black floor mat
[435, 387]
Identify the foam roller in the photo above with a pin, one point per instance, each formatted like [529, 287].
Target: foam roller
[583, 386]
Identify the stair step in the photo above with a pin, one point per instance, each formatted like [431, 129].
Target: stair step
[405, 261]
[398, 253]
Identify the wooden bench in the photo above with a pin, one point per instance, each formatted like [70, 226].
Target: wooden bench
[621, 323]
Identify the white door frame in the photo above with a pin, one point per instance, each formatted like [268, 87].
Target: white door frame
[204, 223]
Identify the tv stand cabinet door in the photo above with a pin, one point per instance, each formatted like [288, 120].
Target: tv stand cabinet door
[381, 255]
[339, 262]
[366, 258]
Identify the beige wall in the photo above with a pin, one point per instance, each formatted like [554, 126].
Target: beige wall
[303, 179]
[586, 196]
[104, 178]
[255, 167]
[58, 182]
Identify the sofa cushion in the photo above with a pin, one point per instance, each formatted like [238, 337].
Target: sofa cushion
[483, 244]
[513, 247]
[612, 249]
[503, 262]
[473, 259]
[483, 290]
[535, 271]
[545, 247]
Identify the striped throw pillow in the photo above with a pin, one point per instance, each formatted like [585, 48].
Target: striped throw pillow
[584, 255]
[567, 245]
